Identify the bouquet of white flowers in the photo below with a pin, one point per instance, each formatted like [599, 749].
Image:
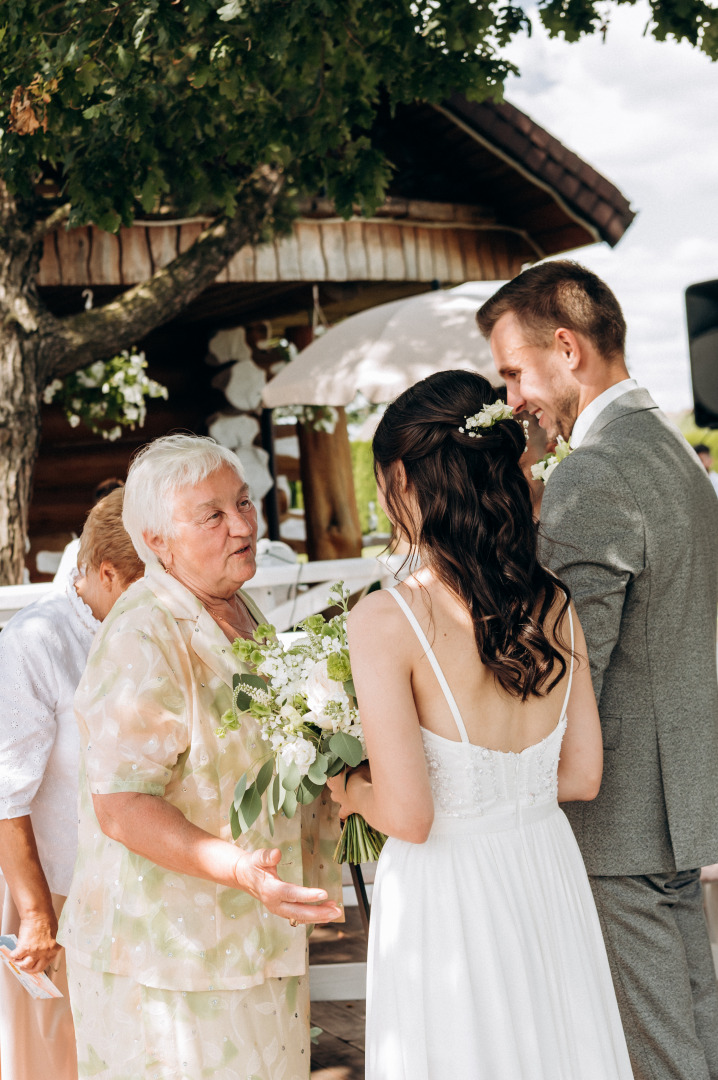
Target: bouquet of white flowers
[303, 697]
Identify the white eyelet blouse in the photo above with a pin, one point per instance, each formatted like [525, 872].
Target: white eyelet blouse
[43, 651]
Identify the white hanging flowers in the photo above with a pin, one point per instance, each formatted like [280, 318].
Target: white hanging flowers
[108, 395]
[486, 418]
[543, 468]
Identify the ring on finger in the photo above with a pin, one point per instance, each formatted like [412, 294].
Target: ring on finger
[293, 922]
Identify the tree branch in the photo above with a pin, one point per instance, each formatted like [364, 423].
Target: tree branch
[53, 221]
[96, 334]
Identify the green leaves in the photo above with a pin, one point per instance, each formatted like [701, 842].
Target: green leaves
[244, 701]
[264, 776]
[247, 802]
[347, 748]
[221, 88]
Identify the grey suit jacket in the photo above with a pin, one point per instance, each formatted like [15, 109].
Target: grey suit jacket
[631, 525]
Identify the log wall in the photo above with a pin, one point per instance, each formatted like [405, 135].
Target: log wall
[405, 249]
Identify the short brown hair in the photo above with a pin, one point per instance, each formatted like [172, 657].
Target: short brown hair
[561, 293]
[104, 539]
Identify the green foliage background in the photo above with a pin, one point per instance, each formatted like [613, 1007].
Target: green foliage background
[365, 488]
[695, 435]
[126, 106]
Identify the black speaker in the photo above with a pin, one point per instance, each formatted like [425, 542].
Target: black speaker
[702, 318]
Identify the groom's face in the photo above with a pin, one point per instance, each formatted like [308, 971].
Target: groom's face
[537, 377]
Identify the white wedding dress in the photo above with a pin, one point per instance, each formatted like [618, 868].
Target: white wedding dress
[486, 960]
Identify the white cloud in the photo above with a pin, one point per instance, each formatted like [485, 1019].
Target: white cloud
[645, 115]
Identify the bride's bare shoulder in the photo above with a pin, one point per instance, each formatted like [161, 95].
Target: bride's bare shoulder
[377, 611]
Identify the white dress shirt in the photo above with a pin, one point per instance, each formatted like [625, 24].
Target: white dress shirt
[43, 651]
[595, 408]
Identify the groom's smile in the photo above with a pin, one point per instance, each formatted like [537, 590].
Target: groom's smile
[537, 379]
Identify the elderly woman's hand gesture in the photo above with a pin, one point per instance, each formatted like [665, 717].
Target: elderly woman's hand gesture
[158, 831]
[257, 874]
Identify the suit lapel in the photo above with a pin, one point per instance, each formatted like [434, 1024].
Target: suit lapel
[638, 400]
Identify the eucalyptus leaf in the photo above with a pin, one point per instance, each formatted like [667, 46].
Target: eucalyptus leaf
[349, 688]
[290, 775]
[307, 792]
[264, 776]
[317, 771]
[290, 804]
[347, 747]
[335, 766]
[250, 808]
[278, 792]
[234, 822]
[240, 789]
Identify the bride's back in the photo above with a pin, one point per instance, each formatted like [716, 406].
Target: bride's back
[493, 718]
[448, 458]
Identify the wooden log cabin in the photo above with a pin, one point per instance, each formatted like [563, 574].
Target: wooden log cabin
[478, 192]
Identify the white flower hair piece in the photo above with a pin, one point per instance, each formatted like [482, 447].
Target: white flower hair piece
[486, 418]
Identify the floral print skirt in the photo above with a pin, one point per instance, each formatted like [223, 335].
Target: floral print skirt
[127, 1031]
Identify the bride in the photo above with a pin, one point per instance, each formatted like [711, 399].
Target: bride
[486, 960]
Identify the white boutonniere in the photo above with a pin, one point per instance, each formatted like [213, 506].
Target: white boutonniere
[543, 468]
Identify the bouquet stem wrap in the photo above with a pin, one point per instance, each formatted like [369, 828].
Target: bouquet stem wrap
[359, 842]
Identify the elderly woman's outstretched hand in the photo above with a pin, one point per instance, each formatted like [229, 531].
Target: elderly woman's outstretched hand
[257, 875]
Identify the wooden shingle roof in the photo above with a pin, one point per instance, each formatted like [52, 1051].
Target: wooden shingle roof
[592, 200]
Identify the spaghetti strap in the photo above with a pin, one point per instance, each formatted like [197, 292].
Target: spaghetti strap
[570, 667]
[450, 700]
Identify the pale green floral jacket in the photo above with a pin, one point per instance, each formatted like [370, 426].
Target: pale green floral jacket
[157, 681]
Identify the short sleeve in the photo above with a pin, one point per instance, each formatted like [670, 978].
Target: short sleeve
[131, 705]
[28, 701]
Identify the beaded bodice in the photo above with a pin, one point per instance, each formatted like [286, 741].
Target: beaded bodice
[469, 781]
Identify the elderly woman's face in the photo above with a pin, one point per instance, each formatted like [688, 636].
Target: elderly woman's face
[215, 539]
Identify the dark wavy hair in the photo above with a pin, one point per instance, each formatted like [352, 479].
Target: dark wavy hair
[475, 526]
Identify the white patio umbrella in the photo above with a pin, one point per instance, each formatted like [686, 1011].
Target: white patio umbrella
[382, 351]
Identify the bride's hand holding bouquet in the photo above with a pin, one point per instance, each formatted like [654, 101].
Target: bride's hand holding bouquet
[302, 696]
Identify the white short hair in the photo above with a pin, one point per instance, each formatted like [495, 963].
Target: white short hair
[157, 473]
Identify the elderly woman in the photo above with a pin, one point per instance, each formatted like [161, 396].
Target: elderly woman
[43, 651]
[186, 953]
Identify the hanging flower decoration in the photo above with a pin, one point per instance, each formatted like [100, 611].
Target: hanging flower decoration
[107, 396]
[316, 417]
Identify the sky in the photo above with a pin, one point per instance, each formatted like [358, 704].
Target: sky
[645, 115]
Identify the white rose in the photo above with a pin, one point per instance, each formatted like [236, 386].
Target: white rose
[550, 466]
[320, 720]
[320, 689]
[301, 753]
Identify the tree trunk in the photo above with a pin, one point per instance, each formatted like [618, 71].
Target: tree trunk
[35, 346]
[19, 442]
[23, 325]
[330, 508]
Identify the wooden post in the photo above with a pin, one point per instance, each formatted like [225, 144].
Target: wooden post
[330, 508]
[271, 506]
[325, 465]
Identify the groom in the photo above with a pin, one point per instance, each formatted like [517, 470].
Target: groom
[634, 534]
